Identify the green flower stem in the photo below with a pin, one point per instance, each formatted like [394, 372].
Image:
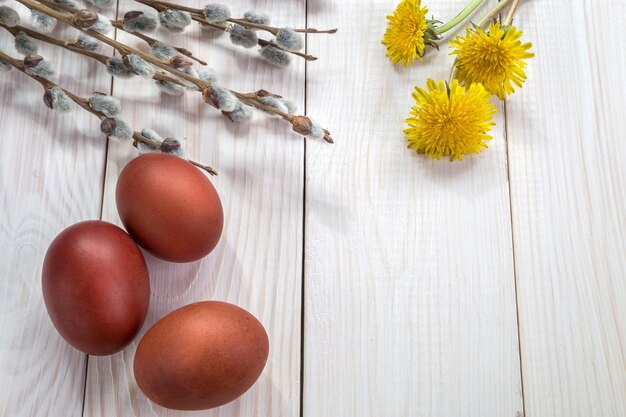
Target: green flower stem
[509, 16]
[494, 11]
[468, 10]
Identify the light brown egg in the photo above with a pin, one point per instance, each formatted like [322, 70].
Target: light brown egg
[201, 356]
[169, 207]
[96, 287]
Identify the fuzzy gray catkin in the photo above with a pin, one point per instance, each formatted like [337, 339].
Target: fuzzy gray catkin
[274, 103]
[5, 66]
[42, 21]
[140, 22]
[241, 36]
[116, 67]
[174, 20]
[291, 106]
[240, 114]
[107, 105]
[139, 66]
[317, 131]
[57, 100]
[289, 40]
[152, 135]
[216, 13]
[257, 17]
[88, 43]
[226, 101]
[163, 51]
[24, 44]
[116, 127]
[275, 56]
[207, 75]
[101, 3]
[9, 17]
[170, 88]
[102, 25]
[43, 69]
[68, 3]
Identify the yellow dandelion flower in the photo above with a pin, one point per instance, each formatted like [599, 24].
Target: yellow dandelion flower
[408, 33]
[494, 58]
[450, 120]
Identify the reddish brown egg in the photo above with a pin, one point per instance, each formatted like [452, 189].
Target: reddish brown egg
[201, 356]
[169, 207]
[96, 287]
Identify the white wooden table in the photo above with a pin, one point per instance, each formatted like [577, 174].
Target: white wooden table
[390, 285]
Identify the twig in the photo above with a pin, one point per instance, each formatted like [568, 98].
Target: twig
[84, 104]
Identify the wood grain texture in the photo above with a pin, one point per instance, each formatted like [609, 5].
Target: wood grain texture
[568, 188]
[409, 286]
[258, 262]
[51, 173]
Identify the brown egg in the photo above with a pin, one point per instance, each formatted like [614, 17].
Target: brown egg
[169, 207]
[96, 287]
[201, 356]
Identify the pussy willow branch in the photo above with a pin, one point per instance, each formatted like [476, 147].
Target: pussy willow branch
[14, 30]
[271, 29]
[119, 24]
[84, 104]
[200, 19]
[249, 99]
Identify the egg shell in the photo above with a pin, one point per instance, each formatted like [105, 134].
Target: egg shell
[169, 207]
[96, 287]
[201, 356]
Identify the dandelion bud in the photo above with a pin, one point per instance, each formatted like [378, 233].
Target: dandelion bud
[138, 21]
[87, 42]
[289, 40]
[241, 36]
[220, 97]
[275, 103]
[275, 56]
[24, 44]
[138, 65]
[180, 62]
[216, 13]
[5, 66]
[162, 51]
[241, 113]
[107, 105]
[9, 17]
[116, 127]
[174, 20]
[35, 65]
[116, 67]
[170, 88]
[42, 21]
[56, 99]
[257, 17]
[207, 75]
[85, 19]
[101, 3]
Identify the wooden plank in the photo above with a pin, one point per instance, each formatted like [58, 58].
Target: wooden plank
[258, 262]
[51, 173]
[568, 188]
[409, 287]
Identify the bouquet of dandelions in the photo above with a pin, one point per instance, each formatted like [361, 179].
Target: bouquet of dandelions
[453, 118]
[174, 70]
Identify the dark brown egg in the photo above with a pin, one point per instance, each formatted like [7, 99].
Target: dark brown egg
[201, 356]
[96, 287]
[169, 207]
